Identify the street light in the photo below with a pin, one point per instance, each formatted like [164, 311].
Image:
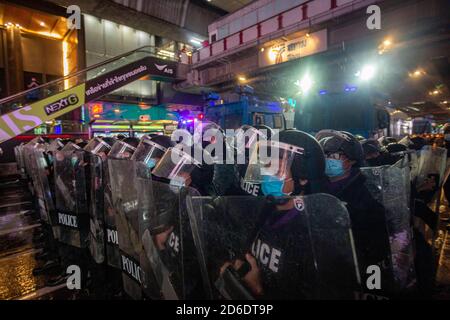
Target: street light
[366, 73]
[305, 84]
[434, 92]
[417, 73]
[385, 46]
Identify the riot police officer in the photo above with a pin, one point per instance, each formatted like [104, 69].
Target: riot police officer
[262, 247]
[343, 159]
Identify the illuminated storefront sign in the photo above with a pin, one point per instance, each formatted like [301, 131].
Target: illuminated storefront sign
[97, 108]
[306, 45]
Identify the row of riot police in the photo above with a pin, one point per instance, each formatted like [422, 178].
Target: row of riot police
[253, 215]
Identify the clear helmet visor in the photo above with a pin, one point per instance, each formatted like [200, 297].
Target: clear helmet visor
[247, 138]
[206, 131]
[41, 146]
[175, 165]
[270, 158]
[97, 146]
[70, 147]
[148, 152]
[34, 141]
[121, 150]
[55, 145]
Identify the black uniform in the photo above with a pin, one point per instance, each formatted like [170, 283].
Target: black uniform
[284, 253]
[367, 218]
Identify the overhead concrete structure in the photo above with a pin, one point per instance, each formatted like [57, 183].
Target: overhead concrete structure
[181, 22]
[273, 52]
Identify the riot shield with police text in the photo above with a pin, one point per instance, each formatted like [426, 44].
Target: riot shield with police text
[71, 197]
[285, 248]
[169, 259]
[125, 200]
[390, 186]
[151, 286]
[112, 241]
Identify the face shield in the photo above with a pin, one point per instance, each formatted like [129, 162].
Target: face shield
[121, 150]
[247, 138]
[70, 147]
[271, 158]
[55, 145]
[176, 165]
[149, 152]
[205, 132]
[41, 147]
[35, 141]
[97, 146]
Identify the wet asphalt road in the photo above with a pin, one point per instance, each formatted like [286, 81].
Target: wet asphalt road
[17, 249]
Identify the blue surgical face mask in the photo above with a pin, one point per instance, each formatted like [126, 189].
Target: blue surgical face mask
[272, 186]
[74, 161]
[151, 163]
[50, 159]
[334, 168]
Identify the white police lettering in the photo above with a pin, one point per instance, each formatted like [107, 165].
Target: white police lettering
[174, 242]
[67, 220]
[131, 205]
[111, 236]
[250, 188]
[131, 268]
[267, 256]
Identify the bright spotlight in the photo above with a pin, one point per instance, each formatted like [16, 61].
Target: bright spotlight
[305, 84]
[273, 53]
[366, 73]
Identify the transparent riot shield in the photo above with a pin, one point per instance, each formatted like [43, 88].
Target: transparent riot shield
[429, 182]
[292, 248]
[28, 154]
[125, 200]
[18, 152]
[34, 165]
[112, 242]
[44, 193]
[414, 165]
[151, 286]
[71, 197]
[432, 164]
[169, 262]
[96, 209]
[390, 186]
[55, 145]
[28, 159]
